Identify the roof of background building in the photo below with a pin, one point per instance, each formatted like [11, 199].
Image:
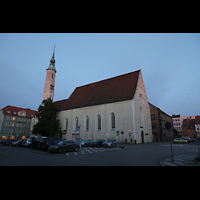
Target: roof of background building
[158, 109]
[12, 110]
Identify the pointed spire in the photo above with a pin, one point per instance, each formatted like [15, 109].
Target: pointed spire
[54, 50]
[52, 61]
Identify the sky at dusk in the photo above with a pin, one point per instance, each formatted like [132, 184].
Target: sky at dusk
[170, 65]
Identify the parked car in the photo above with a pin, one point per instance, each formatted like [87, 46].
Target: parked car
[188, 139]
[9, 141]
[48, 142]
[20, 143]
[16, 143]
[27, 142]
[86, 143]
[2, 141]
[65, 145]
[194, 139]
[36, 140]
[110, 143]
[99, 142]
[180, 140]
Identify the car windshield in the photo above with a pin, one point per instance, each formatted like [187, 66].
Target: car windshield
[60, 143]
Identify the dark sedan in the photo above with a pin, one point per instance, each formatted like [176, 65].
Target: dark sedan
[110, 143]
[65, 145]
[49, 142]
[98, 143]
[9, 142]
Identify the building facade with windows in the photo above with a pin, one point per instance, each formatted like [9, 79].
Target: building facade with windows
[106, 109]
[191, 127]
[15, 122]
[177, 123]
[158, 120]
[197, 126]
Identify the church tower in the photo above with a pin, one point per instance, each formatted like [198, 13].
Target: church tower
[50, 79]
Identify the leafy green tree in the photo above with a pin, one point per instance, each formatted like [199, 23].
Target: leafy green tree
[47, 124]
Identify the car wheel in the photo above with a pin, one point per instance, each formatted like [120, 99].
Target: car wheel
[76, 149]
[60, 150]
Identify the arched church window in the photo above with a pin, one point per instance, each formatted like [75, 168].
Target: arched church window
[141, 117]
[76, 120]
[87, 123]
[98, 122]
[112, 115]
[66, 124]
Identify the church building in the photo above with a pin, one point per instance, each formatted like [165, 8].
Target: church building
[115, 108]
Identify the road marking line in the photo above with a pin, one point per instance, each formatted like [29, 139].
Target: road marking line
[186, 157]
[67, 154]
[88, 150]
[102, 149]
[181, 163]
[75, 153]
[169, 164]
[82, 152]
[181, 160]
[93, 150]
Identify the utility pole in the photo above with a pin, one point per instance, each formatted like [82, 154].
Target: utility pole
[168, 127]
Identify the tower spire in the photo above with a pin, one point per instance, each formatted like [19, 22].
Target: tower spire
[50, 78]
[54, 50]
[52, 61]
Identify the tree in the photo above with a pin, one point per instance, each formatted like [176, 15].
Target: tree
[47, 123]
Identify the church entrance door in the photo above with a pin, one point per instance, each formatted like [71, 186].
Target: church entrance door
[142, 136]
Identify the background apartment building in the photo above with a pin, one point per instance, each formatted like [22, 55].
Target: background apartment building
[177, 123]
[15, 122]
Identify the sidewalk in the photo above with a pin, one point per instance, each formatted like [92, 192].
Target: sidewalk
[185, 158]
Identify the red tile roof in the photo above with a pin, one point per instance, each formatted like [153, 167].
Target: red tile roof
[197, 119]
[185, 122]
[13, 109]
[119, 88]
[60, 104]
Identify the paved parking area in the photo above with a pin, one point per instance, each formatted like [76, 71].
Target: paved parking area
[185, 158]
[151, 154]
[92, 150]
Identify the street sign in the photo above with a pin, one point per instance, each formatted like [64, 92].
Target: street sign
[168, 125]
[122, 132]
[117, 132]
[64, 132]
